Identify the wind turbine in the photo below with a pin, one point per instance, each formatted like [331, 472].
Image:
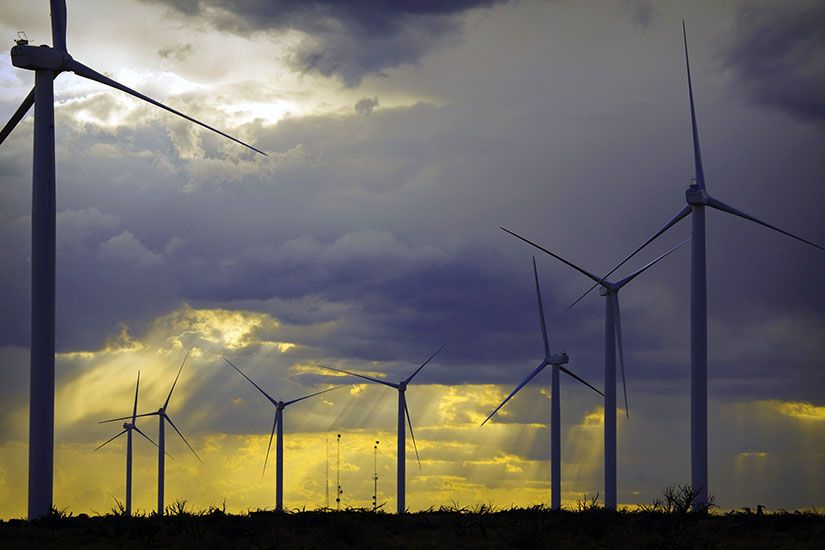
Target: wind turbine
[556, 360]
[279, 444]
[127, 429]
[612, 338]
[162, 416]
[402, 439]
[48, 62]
[697, 199]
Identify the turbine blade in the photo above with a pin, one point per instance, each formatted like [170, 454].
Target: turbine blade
[181, 436]
[112, 439]
[541, 311]
[523, 382]
[145, 436]
[556, 256]
[175, 382]
[127, 417]
[697, 153]
[84, 71]
[676, 219]
[719, 205]
[639, 271]
[568, 372]
[137, 386]
[274, 425]
[410, 377]
[412, 435]
[617, 318]
[274, 401]
[58, 8]
[17, 116]
[311, 395]
[390, 384]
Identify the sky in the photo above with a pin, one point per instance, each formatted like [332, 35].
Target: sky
[400, 138]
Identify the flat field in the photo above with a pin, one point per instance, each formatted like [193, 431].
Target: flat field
[449, 528]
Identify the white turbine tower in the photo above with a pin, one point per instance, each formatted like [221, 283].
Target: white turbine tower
[128, 427]
[47, 62]
[612, 338]
[697, 199]
[162, 416]
[279, 444]
[402, 439]
[556, 360]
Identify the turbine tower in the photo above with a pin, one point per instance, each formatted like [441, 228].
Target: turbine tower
[279, 444]
[162, 416]
[697, 199]
[556, 360]
[48, 62]
[128, 427]
[402, 411]
[612, 338]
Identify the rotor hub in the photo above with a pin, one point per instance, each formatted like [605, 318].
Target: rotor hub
[558, 359]
[696, 196]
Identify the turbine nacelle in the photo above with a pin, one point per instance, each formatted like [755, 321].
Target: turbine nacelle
[696, 196]
[607, 288]
[557, 359]
[402, 386]
[35, 58]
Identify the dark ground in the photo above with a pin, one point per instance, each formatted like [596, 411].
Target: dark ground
[449, 528]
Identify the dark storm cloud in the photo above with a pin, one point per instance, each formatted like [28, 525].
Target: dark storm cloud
[776, 53]
[349, 39]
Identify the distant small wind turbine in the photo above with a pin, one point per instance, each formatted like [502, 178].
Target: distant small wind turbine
[162, 416]
[48, 62]
[697, 199]
[556, 360]
[127, 429]
[402, 411]
[613, 337]
[279, 444]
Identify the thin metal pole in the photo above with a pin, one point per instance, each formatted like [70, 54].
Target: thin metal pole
[327, 490]
[338, 479]
[375, 477]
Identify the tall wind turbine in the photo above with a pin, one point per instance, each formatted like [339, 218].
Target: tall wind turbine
[48, 62]
[556, 360]
[402, 439]
[697, 199]
[612, 338]
[162, 416]
[127, 429]
[279, 444]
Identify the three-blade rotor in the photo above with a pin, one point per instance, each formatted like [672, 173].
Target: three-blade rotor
[279, 406]
[549, 359]
[130, 426]
[401, 387]
[57, 58]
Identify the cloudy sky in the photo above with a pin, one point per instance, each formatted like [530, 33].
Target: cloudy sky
[399, 139]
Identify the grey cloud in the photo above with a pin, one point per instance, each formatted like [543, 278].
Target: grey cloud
[366, 106]
[180, 52]
[642, 11]
[776, 54]
[126, 248]
[350, 39]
